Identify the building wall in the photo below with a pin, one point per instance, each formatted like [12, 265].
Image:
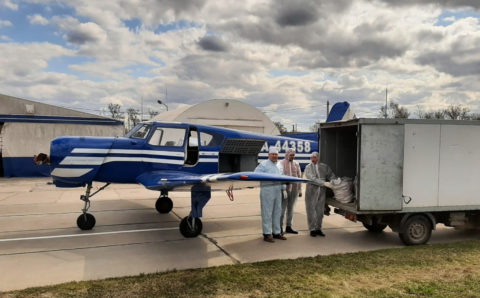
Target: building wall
[21, 141]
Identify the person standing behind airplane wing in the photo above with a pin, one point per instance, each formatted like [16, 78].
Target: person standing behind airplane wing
[315, 194]
[271, 198]
[290, 168]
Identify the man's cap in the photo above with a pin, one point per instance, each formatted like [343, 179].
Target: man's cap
[273, 149]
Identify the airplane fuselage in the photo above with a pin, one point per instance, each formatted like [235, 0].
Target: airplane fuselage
[156, 146]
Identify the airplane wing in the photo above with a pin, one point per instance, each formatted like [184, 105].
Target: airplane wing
[158, 180]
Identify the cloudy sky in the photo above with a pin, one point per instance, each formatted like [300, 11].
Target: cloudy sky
[287, 58]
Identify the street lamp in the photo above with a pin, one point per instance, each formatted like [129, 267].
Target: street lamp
[162, 103]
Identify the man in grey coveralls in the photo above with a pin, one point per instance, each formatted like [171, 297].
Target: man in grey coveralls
[315, 194]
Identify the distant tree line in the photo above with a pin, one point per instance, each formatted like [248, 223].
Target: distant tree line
[133, 115]
[452, 112]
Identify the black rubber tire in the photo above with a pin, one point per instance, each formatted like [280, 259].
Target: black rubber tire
[375, 227]
[164, 205]
[186, 227]
[416, 230]
[86, 221]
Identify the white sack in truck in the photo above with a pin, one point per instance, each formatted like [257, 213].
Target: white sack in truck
[342, 189]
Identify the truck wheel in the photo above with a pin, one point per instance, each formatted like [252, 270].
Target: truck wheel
[416, 230]
[375, 227]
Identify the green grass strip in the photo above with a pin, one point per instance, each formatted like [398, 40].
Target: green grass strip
[441, 270]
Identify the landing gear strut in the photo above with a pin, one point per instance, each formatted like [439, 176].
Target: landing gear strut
[191, 226]
[86, 221]
[164, 204]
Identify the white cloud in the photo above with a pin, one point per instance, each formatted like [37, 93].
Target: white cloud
[449, 19]
[4, 23]
[9, 4]
[37, 20]
[287, 57]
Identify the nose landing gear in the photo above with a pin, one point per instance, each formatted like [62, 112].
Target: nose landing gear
[86, 221]
[164, 204]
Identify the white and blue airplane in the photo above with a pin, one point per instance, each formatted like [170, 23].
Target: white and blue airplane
[168, 156]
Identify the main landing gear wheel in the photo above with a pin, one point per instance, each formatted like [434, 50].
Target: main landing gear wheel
[86, 221]
[164, 205]
[191, 227]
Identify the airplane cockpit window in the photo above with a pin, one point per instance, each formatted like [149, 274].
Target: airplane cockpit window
[139, 132]
[210, 139]
[167, 136]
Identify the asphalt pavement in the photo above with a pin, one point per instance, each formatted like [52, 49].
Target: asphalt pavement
[40, 243]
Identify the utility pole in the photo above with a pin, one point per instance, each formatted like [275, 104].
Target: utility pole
[328, 107]
[386, 99]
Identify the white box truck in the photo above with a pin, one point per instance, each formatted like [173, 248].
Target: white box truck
[409, 174]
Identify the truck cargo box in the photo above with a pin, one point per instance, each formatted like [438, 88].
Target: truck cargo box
[406, 167]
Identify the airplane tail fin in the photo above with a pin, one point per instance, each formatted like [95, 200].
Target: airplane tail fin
[340, 112]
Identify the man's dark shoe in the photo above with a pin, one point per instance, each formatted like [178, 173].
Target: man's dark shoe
[268, 238]
[313, 233]
[319, 233]
[290, 230]
[279, 236]
[326, 211]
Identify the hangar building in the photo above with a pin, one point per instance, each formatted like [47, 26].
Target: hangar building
[228, 113]
[27, 128]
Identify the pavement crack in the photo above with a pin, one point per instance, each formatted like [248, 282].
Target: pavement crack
[214, 242]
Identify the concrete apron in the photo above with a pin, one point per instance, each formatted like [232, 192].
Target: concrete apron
[40, 243]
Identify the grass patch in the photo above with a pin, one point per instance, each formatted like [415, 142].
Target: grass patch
[442, 270]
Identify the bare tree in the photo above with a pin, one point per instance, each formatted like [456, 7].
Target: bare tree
[457, 112]
[114, 109]
[152, 113]
[315, 127]
[280, 127]
[133, 116]
[475, 116]
[394, 111]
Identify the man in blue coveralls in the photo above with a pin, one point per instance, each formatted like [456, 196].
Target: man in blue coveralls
[271, 198]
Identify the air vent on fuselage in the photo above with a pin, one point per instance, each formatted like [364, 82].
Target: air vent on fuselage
[242, 146]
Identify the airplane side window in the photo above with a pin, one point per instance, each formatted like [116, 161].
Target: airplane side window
[156, 137]
[172, 136]
[142, 132]
[210, 139]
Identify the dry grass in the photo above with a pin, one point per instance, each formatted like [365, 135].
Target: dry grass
[444, 270]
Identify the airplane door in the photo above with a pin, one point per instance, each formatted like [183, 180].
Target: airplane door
[191, 150]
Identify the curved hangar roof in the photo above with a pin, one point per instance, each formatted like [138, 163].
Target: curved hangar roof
[228, 113]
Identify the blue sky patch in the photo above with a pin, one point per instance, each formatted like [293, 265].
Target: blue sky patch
[23, 31]
[133, 24]
[448, 17]
[176, 26]
[288, 73]
[61, 64]
[138, 70]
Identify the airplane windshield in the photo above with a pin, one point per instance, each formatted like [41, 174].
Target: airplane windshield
[139, 132]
